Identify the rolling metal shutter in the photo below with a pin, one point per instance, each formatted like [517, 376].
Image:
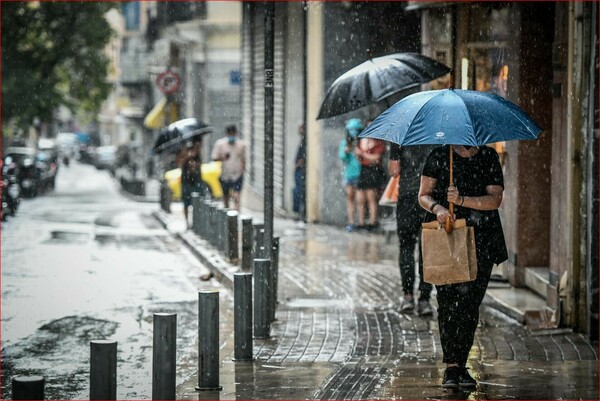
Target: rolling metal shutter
[257, 174]
[279, 128]
[246, 70]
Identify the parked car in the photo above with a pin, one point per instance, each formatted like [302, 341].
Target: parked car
[209, 172]
[47, 165]
[29, 169]
[106, 158]
[49, 151]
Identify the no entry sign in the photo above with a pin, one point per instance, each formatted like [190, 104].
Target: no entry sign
[167, 82]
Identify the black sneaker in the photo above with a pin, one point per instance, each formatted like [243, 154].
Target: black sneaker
[451, 377]
[466, 380]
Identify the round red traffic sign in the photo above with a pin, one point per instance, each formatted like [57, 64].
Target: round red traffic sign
[168, 82]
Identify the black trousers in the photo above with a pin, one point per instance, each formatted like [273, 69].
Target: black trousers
[409, 216]
[458, 314]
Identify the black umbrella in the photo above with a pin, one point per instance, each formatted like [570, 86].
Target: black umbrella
[377, 79]
[175, 136]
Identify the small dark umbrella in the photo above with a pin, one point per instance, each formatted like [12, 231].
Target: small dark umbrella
[377, 79]
[177, 134]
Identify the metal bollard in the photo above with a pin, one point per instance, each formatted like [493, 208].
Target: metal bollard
[195, 212]
[204, 219]
[259, 241]
[212, 220]
[167, 196]
[202, 224]
[231, 239]
[247, 234]
[103, 370]
[222, 222]
[28, 388]
[164, 349]
[242, 324]
[208, 340]
[274, 277]
[262, 321]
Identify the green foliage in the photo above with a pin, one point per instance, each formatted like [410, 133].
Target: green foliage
[53, 54]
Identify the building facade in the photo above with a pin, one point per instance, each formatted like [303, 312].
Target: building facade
[541, 56]
[315, 42]
[198, 41]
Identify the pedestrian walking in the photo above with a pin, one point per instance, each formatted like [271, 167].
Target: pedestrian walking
[231, 151]
[371, 181]
[407, 162]
[477, 194]
[190, 162]
[351, 171]
[300, 176]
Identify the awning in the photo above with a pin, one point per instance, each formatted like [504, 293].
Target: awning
[156, 117]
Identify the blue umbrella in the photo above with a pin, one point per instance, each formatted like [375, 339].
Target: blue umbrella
[452, 117]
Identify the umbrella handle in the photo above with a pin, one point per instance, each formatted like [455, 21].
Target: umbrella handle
[448, 227]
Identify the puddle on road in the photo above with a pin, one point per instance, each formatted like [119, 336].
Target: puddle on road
[67, 237]
[130, 241]
[56, 350]
[127, 241]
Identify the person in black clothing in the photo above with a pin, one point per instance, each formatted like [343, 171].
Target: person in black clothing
[477, 194]
[189, 160]
[408, 161]
[300, 175]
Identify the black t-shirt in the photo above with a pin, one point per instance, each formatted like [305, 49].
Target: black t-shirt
[412, 159]
[471, 177]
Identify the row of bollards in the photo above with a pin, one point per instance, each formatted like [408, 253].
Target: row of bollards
[219, 226]
[103, 353]
[254, 311]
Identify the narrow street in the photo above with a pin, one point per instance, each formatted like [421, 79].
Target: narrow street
[82, 263]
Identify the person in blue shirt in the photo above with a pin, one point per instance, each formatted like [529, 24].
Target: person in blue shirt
[351, 167]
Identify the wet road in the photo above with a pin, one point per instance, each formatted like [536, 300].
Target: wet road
[83, 263]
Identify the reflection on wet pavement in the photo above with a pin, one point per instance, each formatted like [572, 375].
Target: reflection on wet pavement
[506, 380]
[84, 263]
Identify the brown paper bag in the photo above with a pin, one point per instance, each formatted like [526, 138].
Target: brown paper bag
[448, 258]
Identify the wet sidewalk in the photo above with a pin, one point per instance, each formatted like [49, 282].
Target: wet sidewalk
[339, 335]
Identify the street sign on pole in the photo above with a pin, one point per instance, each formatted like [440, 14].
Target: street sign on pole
[168, 82]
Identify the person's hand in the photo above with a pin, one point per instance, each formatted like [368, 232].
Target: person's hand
[453, 195]
[442, 214]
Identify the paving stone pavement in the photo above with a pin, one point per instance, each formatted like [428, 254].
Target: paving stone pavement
[338, 317]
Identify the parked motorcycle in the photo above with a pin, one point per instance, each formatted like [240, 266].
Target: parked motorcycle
[5, 209]
[10, 186]
[29, 173]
